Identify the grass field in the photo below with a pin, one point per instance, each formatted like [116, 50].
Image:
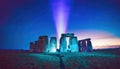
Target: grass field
[99, 59]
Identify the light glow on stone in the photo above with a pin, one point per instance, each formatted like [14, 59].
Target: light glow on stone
[67, 39]
[53, 49]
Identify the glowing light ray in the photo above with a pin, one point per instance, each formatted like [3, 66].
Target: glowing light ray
[60, 12]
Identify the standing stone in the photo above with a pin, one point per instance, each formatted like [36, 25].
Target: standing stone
[63, 44]
[53, 44]
[80, 45]
[42, 43]
[83, 49]
[89, 45]
[36, 46]
[32, 45]
[73, 44]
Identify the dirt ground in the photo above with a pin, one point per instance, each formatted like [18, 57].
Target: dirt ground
[100, 59]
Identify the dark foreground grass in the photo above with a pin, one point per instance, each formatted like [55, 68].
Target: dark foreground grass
[100, 59]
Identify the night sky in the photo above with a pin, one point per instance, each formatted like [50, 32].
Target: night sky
[23, 21]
